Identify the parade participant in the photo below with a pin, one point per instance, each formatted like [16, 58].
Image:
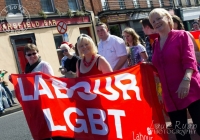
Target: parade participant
[4, 85]
[91, 63]
[35, 64]
[136, 51]
[178, 25]
[111, 47]
[65, 57]
[2, 110]
[148, 30]
[69, 69]
[196, 26]
[175, 61]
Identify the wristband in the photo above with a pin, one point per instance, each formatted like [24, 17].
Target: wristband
[186, 78]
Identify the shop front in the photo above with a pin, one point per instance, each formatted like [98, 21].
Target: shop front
[43, 33]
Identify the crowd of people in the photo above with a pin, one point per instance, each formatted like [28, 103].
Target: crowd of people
[6, 96]
[172, 53]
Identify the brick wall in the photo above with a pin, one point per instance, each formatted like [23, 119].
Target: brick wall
[93, 5]
[2, 6]
[97, 6]
[61, 5]
[33, 7]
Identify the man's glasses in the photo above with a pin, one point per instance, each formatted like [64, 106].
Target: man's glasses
[84, 35]
[65, 50]
[31, 54]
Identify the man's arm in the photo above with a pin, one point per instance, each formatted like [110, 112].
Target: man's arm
[120, 63]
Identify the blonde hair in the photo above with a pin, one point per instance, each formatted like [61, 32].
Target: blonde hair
[162, 12]
[134, 35]
[86, 39]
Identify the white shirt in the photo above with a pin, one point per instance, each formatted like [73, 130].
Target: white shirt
[43, 67]
[113, 48]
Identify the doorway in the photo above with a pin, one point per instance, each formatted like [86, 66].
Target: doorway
[18, 43]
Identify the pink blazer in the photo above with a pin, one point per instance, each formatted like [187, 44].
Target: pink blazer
[171, 62]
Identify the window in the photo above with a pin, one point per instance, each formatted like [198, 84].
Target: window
[11, 6]
[188, 2]
[121, 4]
[47, 6]
[196, 2]
[161, 3]
[135, 3]
[179, 3]
[73, 5]
[148, 3]
[104, 4]
[58, 39]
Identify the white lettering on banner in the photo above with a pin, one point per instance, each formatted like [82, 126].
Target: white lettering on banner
[131, 86]
[83, 126]
[111, 97]
[50, 124]
[87, 94]
[21, 88]
[60, 85]
[117, 114]
[45, 90]
[100, 121]
[91, 112]
[87, 88]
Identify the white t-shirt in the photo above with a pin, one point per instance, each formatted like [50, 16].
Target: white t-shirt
[43, 67]
[113, 48]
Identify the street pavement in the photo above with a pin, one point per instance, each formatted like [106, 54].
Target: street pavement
[14, 127]
[17, 107]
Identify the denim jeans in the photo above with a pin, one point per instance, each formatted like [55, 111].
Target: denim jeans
[5, 94]
[1, 101]
[8, 92]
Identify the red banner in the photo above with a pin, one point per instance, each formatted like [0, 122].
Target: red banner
[196, 35]
[114, 106]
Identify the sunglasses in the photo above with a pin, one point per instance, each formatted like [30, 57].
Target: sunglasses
[84, 35]
[31, 54]
[65, 50]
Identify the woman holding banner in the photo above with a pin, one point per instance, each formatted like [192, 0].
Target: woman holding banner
[91, 63]
[175, 61]
[35, 64]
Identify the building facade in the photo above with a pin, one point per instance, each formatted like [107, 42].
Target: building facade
[118, 14]
[188, 11]
[35, 21]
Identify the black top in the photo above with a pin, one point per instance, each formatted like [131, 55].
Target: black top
[70, 64]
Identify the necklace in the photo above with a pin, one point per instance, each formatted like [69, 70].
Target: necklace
[87, 64]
